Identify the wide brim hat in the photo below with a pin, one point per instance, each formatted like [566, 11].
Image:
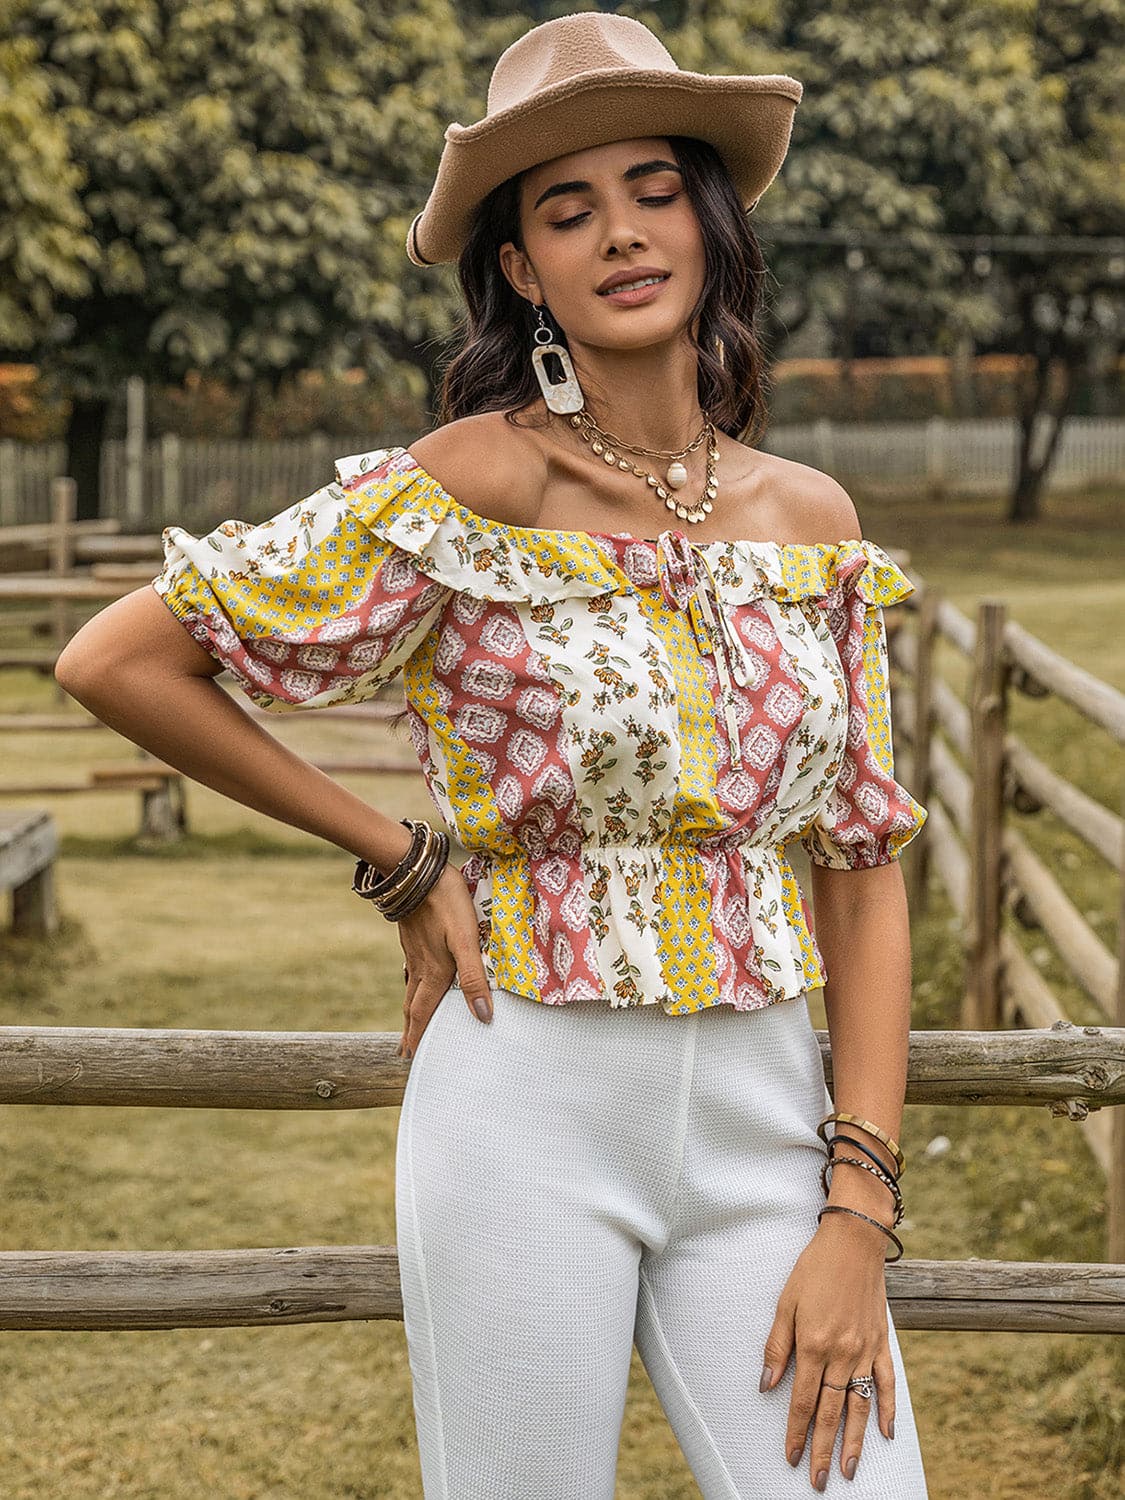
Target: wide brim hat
[586, 80]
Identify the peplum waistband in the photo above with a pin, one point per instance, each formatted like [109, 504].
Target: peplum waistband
[680, 923]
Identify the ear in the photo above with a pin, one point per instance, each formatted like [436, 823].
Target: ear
[520, 272]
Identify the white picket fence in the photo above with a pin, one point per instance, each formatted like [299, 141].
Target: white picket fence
[197, 482]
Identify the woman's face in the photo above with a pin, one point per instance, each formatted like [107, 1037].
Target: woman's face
[599, 212]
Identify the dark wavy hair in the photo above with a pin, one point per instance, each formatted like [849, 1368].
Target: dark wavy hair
[491, 369]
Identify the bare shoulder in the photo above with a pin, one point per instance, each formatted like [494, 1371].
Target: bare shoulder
[811, 506]
[488, 465]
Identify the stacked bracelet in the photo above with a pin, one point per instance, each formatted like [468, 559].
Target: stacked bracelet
[875, 1165]
[410, 882]
[885, 1177]
[880, 1135]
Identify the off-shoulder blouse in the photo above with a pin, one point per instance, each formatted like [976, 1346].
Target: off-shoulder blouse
[623, 733]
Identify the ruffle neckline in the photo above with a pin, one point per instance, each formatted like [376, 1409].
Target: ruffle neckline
[393, 496]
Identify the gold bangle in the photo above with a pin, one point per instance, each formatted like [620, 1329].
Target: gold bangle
[880, 1135]
[409, 879]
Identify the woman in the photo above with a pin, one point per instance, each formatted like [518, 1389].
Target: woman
[624, 724]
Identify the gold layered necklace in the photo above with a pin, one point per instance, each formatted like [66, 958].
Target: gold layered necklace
[608, 447]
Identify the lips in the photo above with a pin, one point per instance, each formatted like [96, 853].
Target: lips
[615, 283]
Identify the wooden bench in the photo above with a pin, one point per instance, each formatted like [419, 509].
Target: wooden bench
[28, 845]
[163, 805]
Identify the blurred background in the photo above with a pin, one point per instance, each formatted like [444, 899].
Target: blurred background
[211, 199]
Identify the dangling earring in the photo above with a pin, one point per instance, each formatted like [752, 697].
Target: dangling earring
[721, 350]
[561, 396]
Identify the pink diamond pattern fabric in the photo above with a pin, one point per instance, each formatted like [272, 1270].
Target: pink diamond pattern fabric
[624, 733]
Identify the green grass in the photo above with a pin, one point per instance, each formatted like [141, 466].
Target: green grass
[232, 929]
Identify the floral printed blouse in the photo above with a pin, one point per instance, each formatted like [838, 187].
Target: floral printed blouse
[624, 733]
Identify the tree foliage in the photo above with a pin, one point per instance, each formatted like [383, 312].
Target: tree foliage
[225, 185]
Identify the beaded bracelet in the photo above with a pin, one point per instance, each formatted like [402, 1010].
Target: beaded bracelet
[839, 1208]
[887, 1181]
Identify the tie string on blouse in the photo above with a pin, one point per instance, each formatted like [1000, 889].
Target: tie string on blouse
[688, 582]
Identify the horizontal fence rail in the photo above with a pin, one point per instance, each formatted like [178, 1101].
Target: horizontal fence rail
[110, 1290]
[1068, 1068]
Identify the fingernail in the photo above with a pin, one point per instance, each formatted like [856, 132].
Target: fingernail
[767, 1376]
[821, 1480]
[482, 1008]
[891, 1427]
[849, 1467]
[795, 1457]
[408, 1054]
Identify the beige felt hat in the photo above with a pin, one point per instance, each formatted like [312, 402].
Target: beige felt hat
[585, 80]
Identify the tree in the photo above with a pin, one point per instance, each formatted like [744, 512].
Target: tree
[45, 249]
[967, 117]
[1061, 306]
[249, 175]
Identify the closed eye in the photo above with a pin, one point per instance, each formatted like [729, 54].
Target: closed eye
[577, 218]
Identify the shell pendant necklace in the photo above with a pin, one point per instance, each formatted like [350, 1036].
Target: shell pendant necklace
[606, 445]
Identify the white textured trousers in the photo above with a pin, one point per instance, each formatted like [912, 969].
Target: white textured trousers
[573, 1178]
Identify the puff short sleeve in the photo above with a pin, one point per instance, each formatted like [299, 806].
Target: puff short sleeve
[869, 817]
[309, 608]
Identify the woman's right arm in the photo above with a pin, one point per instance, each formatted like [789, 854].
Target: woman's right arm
[138, 670]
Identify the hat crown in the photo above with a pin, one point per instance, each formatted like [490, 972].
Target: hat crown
[568, 47]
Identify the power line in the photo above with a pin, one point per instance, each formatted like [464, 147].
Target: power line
[921, 239]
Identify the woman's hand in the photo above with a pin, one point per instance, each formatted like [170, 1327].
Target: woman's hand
[833, 1309]
[440, 944]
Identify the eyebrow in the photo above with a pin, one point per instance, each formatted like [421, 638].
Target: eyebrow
[641, 169]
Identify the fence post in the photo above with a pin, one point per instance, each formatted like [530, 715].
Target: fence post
[918, 868]
[936, 433]
[135, 452]
[988, 714]
[822, 440]
[1115, 1187]
[171, 474]
[64, 504]
[8, 486]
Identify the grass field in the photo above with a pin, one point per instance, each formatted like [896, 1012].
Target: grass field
[249, 925]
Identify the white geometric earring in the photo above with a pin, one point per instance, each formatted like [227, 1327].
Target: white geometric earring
[562, 396]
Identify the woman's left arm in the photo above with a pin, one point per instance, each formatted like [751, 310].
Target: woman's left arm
[832, 1311]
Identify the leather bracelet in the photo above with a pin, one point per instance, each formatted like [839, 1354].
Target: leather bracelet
[839, 1208]
[369, 882]
[401, 893]
[430, 868]
[851, 1141]
[396, 895]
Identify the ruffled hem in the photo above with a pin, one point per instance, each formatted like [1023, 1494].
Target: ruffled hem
[394, 497]
[681, 926]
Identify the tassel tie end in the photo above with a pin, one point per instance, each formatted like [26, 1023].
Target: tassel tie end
[687, 585]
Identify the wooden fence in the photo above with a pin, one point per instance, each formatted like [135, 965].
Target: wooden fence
[198, 482]
[1064, 1067]
[984, 863]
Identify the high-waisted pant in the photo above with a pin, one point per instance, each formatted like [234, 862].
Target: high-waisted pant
[573, 1178]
